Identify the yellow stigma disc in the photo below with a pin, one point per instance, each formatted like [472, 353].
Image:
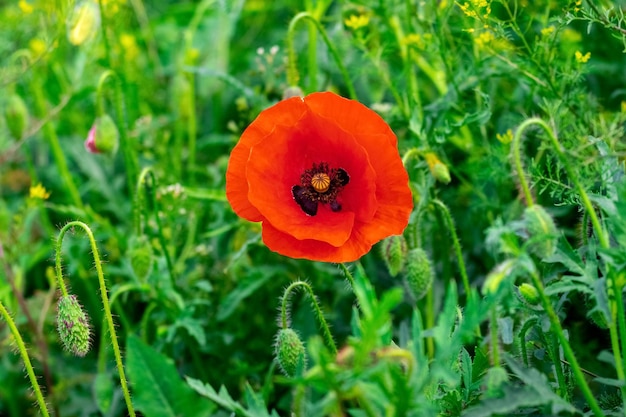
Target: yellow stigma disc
[320, 182]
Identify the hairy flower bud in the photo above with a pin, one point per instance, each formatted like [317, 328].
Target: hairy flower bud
[73, 325]
[438, 169]
[103, 136]
[541, 230]
[529, 294]
[419, 273]
[290, 352]
[16, 115]
[394, 250]
[141, 256]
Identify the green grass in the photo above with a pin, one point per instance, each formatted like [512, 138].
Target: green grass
[498, 106]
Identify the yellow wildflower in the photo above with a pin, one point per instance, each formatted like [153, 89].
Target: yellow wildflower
[84, 24]
[484, 39]
[417, 40]
[37, 46]
[25, 7]
[129, 44]
[39, 192]
[356, 22]
[582, 59]
[505, 138]
[545, 32]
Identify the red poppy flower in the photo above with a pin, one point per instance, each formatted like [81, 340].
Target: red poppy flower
[324, 176]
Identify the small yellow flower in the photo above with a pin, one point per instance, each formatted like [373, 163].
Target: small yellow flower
[505, 138]
[25, 7]
[415, 39]
[129, 44]
[39, 192]
[545, 32]
[356, 22]
[484, 39]
[37, 46]
[582, 59]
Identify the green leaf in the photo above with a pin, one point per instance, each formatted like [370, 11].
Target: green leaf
[224, 400]
[157, 388]
[103, 391]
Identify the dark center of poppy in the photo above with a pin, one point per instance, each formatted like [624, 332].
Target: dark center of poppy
[320, 184]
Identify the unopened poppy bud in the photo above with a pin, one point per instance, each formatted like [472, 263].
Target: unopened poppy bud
[289, 352]
[438, 169]
[84, 23]
[141, 256]
[529, 294]
[182, 96]
[292, 91]
[103, 137]
[394, 250]
[541, 230]
[419, 273]
[16, 115]
[494, 379]
[73, 325]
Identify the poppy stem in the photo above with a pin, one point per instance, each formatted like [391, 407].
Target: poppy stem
[139, 206]
[293, 77]
[348, 275]
[284, 311]
[103, 295]
[455, 241]
[27, 363]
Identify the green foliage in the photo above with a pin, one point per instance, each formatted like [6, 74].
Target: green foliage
[540, 329]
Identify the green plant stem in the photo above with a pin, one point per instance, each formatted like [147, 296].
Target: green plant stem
[145, 174]
[554, 352]
[292, 67]
[493, 333]
[429, 319]
[284, 311]
[53, 140]
[455, 242]
[348, 275]
[522, 338]
[312, 57]
[517, 160]
[103, 295]
[567, 349]
[27, 364]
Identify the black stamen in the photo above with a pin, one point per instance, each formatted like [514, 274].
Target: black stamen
[304, 201]
[342, 176]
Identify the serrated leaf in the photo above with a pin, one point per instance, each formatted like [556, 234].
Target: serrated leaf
[254, 400]
[156, 386]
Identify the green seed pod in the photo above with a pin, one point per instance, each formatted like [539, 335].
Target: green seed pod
[73, 325]
[290, 352]
[541, 230]
[16, 115]
[141, 256]
[529, 294]
[438, 169]
[419, 273]
[394, 251]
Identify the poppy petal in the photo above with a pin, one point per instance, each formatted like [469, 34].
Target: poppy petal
[284, 113]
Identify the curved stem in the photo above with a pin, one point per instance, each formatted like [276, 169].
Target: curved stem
[455, 241]
[145, 173]
[27, 364]
[328, 337]
[292, 68]
[105, 301]
[567, 349]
